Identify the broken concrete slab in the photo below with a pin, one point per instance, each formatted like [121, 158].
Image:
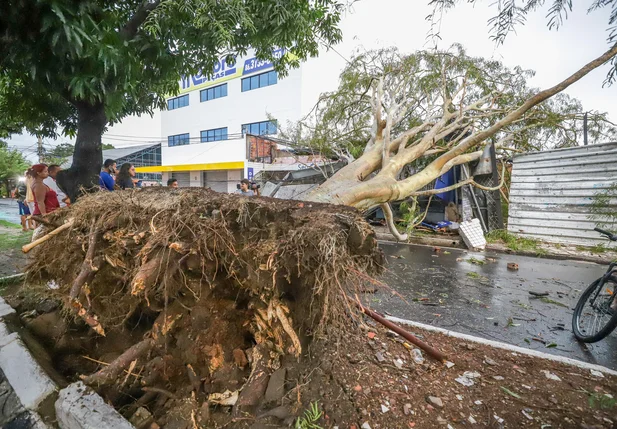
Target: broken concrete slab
[80, 407]
[30, 382]
[5, 309]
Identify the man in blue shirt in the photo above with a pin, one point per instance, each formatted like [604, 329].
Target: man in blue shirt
[106, 178]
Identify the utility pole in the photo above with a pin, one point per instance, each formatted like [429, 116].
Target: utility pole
[585, 129]
[39, 149]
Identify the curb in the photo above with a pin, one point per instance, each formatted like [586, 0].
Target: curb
[24, 374]
[504, 346]
[79, 407]
[29, 383]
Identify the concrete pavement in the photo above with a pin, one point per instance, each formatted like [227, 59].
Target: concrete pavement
[475, 293]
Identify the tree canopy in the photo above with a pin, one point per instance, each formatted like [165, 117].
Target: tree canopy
[342, 122]
[129, 55]
[58, 154]
[77, 66]
[12, 163]
[444, 106]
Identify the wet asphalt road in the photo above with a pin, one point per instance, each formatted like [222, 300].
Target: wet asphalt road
[492, 302]
[9, 210]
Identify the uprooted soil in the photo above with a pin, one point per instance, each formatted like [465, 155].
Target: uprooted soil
[183, 302]
[371, 377]
[244, 288]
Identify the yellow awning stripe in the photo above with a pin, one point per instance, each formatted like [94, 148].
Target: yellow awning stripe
[236, 165]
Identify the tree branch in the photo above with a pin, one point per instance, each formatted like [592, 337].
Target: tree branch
[387, 212]
[408, 186]
[531, 102]
[468, 181]
[130, 29]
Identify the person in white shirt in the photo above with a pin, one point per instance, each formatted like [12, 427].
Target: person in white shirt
[51, 182]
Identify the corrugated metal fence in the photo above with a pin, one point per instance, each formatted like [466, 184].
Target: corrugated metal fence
[552, 191]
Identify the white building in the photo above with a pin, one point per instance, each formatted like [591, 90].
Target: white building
[204, 131]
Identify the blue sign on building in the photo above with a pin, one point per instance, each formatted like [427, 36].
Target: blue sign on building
[253, 65]
[249, 173]
[223, 72]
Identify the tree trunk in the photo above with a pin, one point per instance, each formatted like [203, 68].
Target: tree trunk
[83, 175]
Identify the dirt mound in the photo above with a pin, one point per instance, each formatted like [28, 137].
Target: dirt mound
[195, 297]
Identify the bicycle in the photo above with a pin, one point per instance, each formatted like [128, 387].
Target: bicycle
[598, 304]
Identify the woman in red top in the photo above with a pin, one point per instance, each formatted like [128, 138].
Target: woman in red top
[45, 198]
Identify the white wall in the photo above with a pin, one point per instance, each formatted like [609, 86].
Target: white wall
[282, 101]
[205, 153]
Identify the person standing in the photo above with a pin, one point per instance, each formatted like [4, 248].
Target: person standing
[51, 182]
[172, 183]
[125, 177]
[29, 193]
[106, 178]
[24, 211]
[45, 198]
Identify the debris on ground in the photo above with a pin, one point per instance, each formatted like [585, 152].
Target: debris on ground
[195, 329]
[200, 296]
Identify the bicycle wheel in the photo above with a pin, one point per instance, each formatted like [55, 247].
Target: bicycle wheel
[593, 318]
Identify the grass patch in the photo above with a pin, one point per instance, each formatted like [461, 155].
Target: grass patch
[7, 224]
[475, 261]
[598, 249]
[11, 241]
[515, 242]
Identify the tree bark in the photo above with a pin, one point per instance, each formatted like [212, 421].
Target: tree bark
[83, 175]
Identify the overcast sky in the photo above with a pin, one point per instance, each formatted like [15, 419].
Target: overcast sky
[554, 55]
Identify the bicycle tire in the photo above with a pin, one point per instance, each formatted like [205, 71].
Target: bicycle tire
[608, 328]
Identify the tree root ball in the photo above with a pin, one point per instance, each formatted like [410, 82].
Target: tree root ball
[208, 292]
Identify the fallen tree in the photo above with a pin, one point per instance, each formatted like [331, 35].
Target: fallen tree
[435, 109]
[208, 291]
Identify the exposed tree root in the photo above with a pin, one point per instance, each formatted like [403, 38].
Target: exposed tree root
[111, 372]
[202, 295]
[90, 265]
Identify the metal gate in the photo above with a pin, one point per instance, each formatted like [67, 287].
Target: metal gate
[183, 178]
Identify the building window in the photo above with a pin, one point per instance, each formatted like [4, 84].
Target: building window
[260, 128]
[212, 93]
[214, 135]
[176, 103]
[259, 81]
[178, 140]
